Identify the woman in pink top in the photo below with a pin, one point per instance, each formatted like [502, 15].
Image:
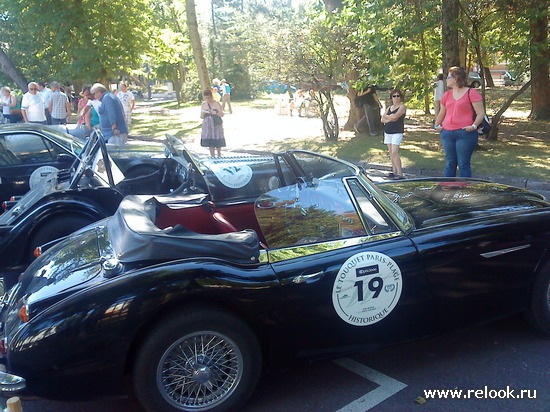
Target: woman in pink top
[460, 115]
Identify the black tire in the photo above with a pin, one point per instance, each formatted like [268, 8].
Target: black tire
[539, 309]
[183, 346]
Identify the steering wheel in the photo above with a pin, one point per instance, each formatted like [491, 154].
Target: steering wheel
[165, 176]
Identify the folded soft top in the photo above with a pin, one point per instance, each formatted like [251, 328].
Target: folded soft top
[135, 237]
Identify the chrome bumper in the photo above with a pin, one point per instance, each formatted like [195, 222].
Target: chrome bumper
[11, 383]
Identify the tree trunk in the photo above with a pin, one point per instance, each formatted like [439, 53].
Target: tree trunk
[328, 113]
[493, 134]
[449, 14]
[195, 38]
[427, 81]
[488, 77]
[355, 113]
[540, 57]
[12, 72]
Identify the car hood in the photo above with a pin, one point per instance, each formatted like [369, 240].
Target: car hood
[432, 202]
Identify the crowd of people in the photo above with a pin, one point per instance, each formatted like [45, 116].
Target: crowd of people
[95, 106]
[459, 111]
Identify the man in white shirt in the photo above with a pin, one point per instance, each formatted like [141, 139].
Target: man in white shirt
[439, 89]
[32, 106]
[46, 94]
[128, 102]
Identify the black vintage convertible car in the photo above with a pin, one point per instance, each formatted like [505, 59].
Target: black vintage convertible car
[89, 190]
[192, 295]
[30, 152]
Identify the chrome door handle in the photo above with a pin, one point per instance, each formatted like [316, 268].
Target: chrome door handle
[308, 278]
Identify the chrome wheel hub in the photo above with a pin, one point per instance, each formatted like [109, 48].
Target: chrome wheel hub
[200, 371]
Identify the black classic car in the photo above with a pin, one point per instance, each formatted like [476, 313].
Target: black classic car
[90, 189]
[31, 152]
[192, 295]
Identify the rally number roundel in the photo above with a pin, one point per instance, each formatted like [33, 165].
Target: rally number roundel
[41, 173]
[367, 288]
[234, 176]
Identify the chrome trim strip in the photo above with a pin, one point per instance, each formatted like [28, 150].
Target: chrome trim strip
[264, 257]
[500, 252]
[293, 252]
[11, 383]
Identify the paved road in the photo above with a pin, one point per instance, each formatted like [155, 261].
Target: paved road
[505, 354]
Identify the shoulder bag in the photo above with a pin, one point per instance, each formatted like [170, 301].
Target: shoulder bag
[485, 126]
[215, 118]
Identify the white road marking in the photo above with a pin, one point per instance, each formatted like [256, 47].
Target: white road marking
[387, 386]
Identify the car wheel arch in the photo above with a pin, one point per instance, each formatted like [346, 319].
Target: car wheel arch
[73, 221]
[175, 307]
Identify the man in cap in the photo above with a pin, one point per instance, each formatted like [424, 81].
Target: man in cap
[111, 115]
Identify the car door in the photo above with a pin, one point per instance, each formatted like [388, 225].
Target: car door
[26, 158]
[482, 269]
[349, 276]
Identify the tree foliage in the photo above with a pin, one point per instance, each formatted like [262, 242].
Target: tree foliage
[77, 40]
[401, 44]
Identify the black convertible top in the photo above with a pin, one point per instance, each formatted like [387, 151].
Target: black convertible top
[135, 237]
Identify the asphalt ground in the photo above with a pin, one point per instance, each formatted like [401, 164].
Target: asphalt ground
[499, 359]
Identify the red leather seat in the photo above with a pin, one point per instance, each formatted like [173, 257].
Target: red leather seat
[223, 225]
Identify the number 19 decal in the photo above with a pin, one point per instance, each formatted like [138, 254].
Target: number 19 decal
[374, 285]
[367, 288]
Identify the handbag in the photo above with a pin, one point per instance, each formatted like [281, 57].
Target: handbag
[215, 118]
[485, 126]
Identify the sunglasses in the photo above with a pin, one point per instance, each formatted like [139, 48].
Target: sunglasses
[396, 95]
[32, 88]
[449, 77]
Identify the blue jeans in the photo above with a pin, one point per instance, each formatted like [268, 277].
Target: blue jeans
[59, 121]
[459, 146]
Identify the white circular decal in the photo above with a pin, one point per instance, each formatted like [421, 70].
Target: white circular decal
[40, 174]
[367, 288]
[235, 177]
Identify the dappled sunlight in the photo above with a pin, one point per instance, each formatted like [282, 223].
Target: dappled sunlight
[522, 148]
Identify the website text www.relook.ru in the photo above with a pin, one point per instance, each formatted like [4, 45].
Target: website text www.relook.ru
[485, 393]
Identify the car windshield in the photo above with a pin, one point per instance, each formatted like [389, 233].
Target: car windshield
[301, 214]
[66, 140]
[93, 158]
[316, 166]
[245, 177]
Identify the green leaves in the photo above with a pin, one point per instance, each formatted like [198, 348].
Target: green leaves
[78, 40]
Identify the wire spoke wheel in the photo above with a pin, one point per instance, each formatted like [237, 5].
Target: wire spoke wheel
[200, 371]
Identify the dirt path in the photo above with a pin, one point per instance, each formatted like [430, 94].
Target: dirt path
[251, 128]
